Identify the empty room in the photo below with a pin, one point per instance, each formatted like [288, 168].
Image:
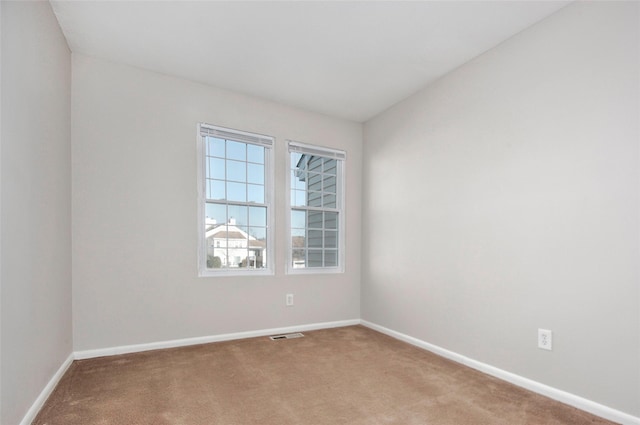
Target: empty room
[319, 212]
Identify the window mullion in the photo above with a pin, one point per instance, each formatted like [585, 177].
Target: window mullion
[306, 208]
[221, 202]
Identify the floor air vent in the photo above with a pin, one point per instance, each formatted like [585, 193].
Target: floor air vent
[286, 336]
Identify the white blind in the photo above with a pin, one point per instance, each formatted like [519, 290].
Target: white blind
[238, 136]
[316, 150]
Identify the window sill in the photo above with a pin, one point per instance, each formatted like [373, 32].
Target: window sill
[235, 273]
[316, 270]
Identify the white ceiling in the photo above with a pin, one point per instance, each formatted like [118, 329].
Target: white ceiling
[349, 59]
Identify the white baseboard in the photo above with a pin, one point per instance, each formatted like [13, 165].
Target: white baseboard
[87, 354]
[46, 392]
[553, 393]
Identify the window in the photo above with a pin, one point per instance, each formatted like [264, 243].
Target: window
[235, 188]
[316, 222]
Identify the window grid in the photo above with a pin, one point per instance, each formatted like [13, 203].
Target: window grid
[320, 238]
[236, 202]
[316, 210]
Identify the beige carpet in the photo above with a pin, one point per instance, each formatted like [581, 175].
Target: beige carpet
[349, 375]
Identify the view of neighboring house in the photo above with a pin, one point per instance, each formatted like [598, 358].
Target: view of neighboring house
[315, 211]
[298, 252]
[230, 246]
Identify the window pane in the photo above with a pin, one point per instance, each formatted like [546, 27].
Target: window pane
[238, 258]
[236, 192]
[329, 201]
[236, 150]
[216, 257]
[236, 241]
[258, 236]
[215, 212]
[215, 168]
[255, 153]
[256, 258]
[298, 219]
[256, 193]
[314, 181]
[255, 173]
[315, 164]
[243, 234]
[314, 199]
[217, 190]
[238, 215]
[331, 239]
[314, 219]
[298, 259]
[329, 184]
[298, 198]
[298, 180]
[216, 147]
[258, 216]
[314, 257]
[242, 260]
[236, 171]
[331, 258]
[297, 161]
[330, 166]
[314, 238]
[330, 220]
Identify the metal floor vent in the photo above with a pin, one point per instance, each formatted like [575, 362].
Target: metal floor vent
[286, 336]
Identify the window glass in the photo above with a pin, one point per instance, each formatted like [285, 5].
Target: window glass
[316, 211]
[235, 235]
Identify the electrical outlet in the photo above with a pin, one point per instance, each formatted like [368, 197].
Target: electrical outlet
[289, 300]
[544, 339]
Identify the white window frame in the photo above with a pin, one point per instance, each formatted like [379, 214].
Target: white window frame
[341, 157]
[245, 137]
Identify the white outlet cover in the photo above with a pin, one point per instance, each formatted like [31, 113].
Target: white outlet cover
[545, 339]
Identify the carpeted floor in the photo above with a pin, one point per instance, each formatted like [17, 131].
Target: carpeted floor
[350, 375]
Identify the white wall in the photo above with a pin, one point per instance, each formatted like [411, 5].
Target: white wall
[135, 211]
[36, 204]
[504, 198]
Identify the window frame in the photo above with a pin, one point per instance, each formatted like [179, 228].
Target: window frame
[341, 158]
[268, 142]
